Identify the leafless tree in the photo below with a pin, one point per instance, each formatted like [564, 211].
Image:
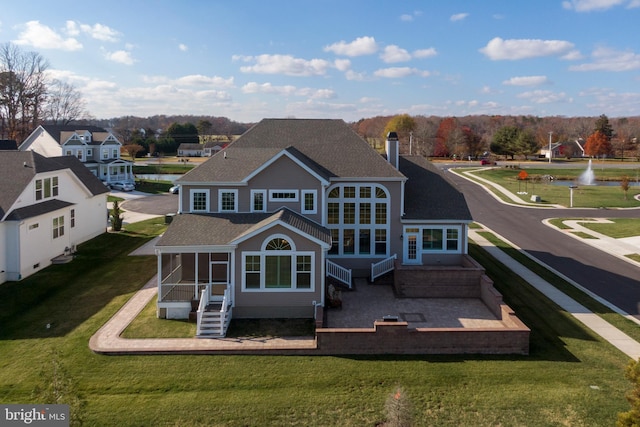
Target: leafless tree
[23, 88]
[64, 104]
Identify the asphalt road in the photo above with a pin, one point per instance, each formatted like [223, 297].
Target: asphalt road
[605, 275]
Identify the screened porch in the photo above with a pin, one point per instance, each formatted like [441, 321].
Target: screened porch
[185, 275]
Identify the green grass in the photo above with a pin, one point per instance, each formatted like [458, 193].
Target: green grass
[583, 235]
[163, 168]
[571, 377]
[635, 257]
[583, 196]
[619, 227]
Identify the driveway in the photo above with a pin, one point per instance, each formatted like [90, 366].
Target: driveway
[155, 204]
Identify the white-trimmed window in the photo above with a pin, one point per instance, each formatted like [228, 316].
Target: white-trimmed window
[58, 227]
[278, 267]
[105, 154]
[199, 201]
[46, 188]
[73, 218]
[283, 195]
[258, 200]
[309, 201]
[228, 200]
[441, 239]
[115, 152]
[358, 217]
[89, 152]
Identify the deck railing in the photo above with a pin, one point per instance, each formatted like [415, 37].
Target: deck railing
[202, 307]
[225, 312]
[339, 273]
[381, 267]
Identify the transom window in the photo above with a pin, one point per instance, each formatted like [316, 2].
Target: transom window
[358, 217]
[283, 195]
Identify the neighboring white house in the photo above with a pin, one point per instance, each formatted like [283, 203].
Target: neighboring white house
[97, 148]
[47, 207]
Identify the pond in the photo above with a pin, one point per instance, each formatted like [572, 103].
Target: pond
[597, 183]
[158, 176]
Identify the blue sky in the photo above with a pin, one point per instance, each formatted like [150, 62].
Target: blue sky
[347, 59]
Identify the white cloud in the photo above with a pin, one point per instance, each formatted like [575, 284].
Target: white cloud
[425, 53]
[284, 64]
[545, 96]
[358, 47]
[596, 5]
[606, 59]
[399, 72]
[101, 32]
[393, 53]
[43, 37]
[200, 80]
[342, 64]
[513, 49]
[183, 47]
[458, 17]
[96, 31]
[287, 90]
[355, 76]
[526, 81]
[406, 17]
[120, 56]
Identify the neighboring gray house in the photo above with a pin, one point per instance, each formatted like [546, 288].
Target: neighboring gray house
[264, 222]
[190, 150]
[97, 148]
[47, 207]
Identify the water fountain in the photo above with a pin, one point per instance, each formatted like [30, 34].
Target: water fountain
[587, 177]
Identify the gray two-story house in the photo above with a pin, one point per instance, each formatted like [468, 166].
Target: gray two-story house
[263, 223]
[97, 148]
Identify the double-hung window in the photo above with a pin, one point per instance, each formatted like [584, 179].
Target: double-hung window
[228, 200]
[58, 227]
[258, 201]
[309, 201]
[199, 200]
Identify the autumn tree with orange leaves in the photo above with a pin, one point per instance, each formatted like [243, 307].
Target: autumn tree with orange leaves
[598, 144]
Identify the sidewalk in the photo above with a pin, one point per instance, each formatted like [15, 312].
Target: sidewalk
[617, 338]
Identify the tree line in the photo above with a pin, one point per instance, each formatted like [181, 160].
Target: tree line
[509, 136]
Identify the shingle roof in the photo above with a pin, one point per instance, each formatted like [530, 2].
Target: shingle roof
[18, 168]
[224, 229]
[56, 131]
[328, 146]
[37, 209]
[429, 194]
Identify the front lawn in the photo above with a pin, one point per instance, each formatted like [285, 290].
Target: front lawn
[571, 376]
[583, 197]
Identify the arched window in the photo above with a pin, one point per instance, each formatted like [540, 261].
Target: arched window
[278, 244]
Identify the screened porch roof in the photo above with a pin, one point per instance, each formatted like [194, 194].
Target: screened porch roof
[230, 229]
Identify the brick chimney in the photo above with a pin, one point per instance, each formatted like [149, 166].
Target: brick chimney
[392, 149]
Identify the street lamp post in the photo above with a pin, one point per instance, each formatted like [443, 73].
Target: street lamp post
[571, 188]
